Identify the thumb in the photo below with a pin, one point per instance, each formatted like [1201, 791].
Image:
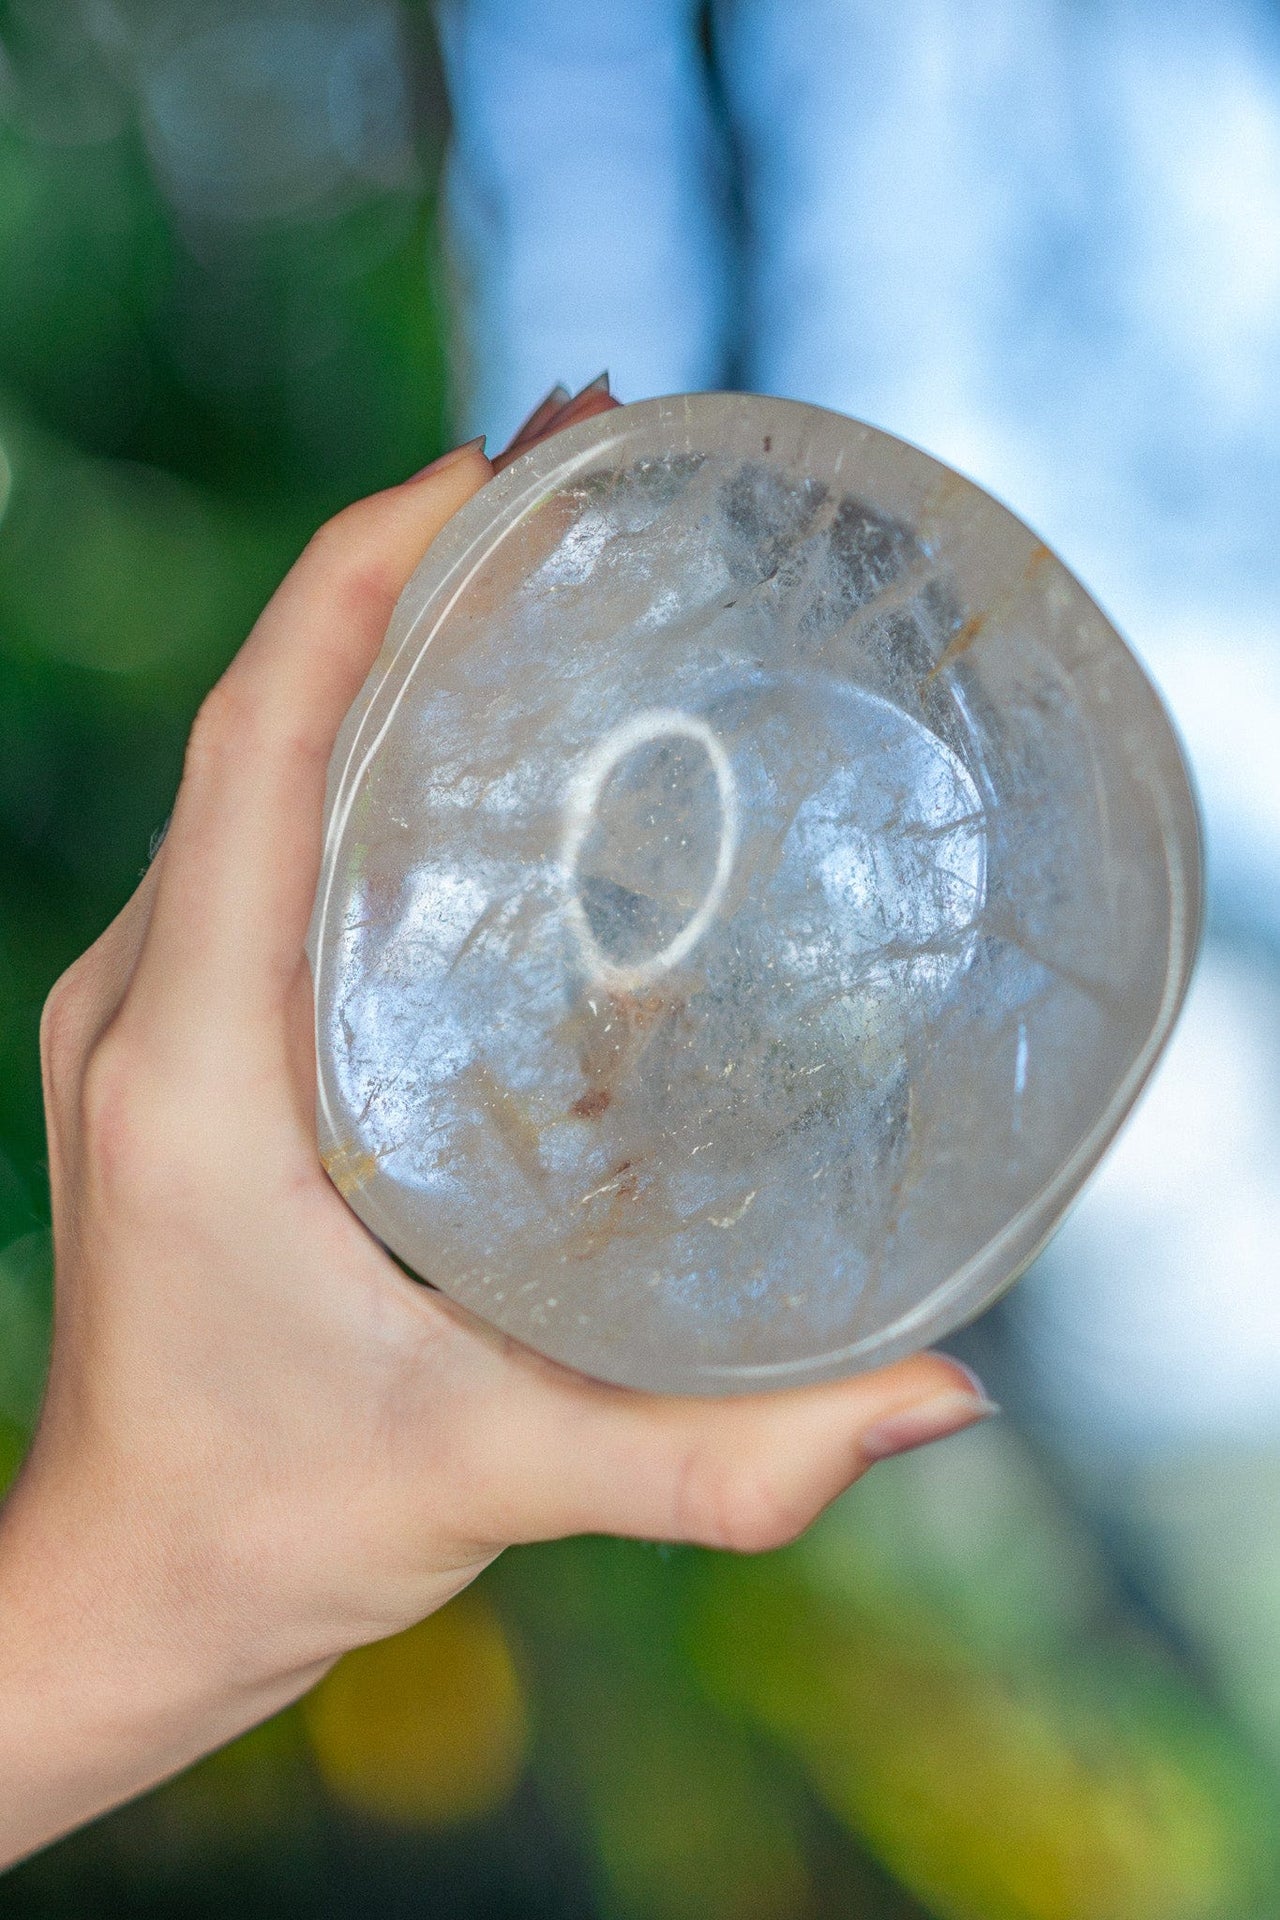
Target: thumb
[748, 1472]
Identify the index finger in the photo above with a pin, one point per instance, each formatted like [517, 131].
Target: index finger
[243, 848]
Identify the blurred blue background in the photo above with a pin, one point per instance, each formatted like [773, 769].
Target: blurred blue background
[259, 257]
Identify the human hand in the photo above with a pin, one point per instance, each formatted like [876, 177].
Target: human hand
[262, 1443]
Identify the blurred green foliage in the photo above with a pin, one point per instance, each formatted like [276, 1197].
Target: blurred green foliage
[216, 327]
[184, 394]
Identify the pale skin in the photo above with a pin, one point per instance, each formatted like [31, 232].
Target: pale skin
[262, 1444]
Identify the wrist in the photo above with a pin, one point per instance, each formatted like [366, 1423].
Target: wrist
[126, 1652]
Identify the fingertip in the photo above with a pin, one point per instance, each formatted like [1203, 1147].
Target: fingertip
[955, 1375]
[423, 505]
[917, 1377]
[546, 410]
[584, 406]
[938, 1418]
[386, 532]
[469, 452]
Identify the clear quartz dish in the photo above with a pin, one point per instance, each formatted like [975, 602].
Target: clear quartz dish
[757, 883]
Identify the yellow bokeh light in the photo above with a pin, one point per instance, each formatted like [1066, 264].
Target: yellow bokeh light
[425, 1729]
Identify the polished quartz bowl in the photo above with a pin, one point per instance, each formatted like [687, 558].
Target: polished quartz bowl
[757, 883]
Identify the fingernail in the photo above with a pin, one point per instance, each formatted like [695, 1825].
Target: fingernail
[599, 385]
[966, 1373]
[935, 1419]
[447, 459]
[545, 410]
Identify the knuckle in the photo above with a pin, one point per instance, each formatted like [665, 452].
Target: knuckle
[233, 724]
[340, 551]
[742, 1509]
[153, 1135]
[217, 731]
[119, 1123]
[331, 544]
[109, 1091]
[365, 596]
[62, 1023]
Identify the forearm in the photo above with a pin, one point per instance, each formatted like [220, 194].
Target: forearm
[112, 1677]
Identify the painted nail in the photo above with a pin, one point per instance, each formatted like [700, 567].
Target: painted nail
[447, 459]
[935, 1419]
[599, 385]
[551, 403]
[538, 421]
